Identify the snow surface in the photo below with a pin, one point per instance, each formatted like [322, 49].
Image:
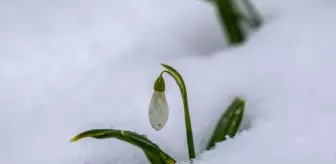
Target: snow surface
[70, 65]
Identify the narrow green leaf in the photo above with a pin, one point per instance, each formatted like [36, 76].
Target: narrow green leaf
[229, 18]
[256, 20]
[253, 17]
[163, 160]
[141, 141]
[183, 89]
[153, 159]
[229, 123]
[236, 119]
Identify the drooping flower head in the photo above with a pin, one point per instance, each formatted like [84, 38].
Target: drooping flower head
[158, 108]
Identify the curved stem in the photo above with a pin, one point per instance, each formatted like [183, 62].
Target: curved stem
[180, 82]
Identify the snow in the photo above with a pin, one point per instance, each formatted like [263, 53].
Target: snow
[68, 66]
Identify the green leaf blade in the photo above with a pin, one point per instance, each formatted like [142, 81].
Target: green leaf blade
[96, 133]
[229, 123]
[236, 119]
[151, 150]
[153, 159]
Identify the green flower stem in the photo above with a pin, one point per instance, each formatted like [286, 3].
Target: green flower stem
[180, 82]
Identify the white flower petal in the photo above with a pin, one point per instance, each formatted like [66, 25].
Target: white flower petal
[158, 110]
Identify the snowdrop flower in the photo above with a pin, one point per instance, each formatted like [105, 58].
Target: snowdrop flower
[158, 108]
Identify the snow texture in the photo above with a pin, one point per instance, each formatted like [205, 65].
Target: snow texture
[70, 65]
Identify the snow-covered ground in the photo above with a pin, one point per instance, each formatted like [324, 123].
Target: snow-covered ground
[70, 65]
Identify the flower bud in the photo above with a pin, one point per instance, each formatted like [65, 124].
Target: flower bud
[159, 84]
[158, 108]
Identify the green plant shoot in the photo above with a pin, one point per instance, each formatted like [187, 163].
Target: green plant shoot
[229, 123]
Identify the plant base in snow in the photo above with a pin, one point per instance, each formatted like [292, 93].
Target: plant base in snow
[158, 116]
